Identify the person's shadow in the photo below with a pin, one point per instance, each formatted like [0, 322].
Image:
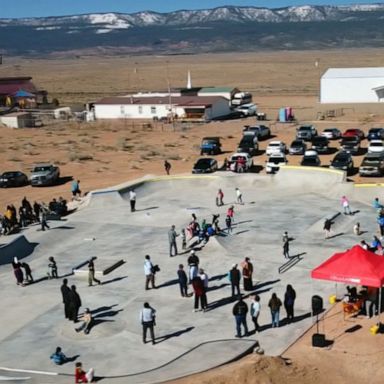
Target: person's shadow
[160, 339]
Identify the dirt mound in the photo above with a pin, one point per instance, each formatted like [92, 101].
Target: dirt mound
[256, 369]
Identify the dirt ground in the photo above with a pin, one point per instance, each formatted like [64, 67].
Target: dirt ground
[106, 153]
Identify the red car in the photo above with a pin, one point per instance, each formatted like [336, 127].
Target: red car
[354, 132]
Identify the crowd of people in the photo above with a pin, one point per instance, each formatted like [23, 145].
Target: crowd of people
[27, 214]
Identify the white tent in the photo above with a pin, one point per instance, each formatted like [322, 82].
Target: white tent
[352, 85]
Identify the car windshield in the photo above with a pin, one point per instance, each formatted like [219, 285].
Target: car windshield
[9, 174]
[297, 144]
[375, 130]
[376, 145]
[209, 142]
[329, 130]
[274, 145]
[304, 128]
[42, 169]
[310, 160]
[341, 159]
[351, 139]
[319, 140]
[370, 162]
[276, 160]
[203, 163]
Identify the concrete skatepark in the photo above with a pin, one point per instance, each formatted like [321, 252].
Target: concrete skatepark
[296, 199]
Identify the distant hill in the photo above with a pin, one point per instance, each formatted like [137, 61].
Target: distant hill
[186, 32]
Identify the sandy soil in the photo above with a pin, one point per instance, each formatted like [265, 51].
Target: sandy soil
[105, 153]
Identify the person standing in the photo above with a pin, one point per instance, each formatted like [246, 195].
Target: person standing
[228, 223]
[327, 228]
[239, 196]
[36, 210]
[44, 217]
[82, 376]
[167, 167]
[183, 240]
[148, 321]
[380, 221]
[274, 304]
[193, 264]
[28, 272]
[286, 247]
[74, 304]
[247, 274]
[52, 268]
[289, 302]
[149, 273]
[183, 281]
[75, 188]
[200, 296]
[205, 279]
[234, 277]
[18, 272]
[66, 293]
[231, 214]
[172, 241]
[132, 200]
[240, 310]
[345, 205]
[255, 311]
[357, 231]
[219, 198]
[91, 273]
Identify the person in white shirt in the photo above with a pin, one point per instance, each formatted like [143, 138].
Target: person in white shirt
[147, 319]
[239, 196]
[255, 311]
[149, 273]
[132, 200]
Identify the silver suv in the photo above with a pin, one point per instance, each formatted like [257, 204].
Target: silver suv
[306, 132]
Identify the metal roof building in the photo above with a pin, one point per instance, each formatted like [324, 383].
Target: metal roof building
[352, 85]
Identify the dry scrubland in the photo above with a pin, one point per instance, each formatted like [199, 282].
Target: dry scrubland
[106, 153]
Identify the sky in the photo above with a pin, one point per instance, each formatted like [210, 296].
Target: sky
[42, 8]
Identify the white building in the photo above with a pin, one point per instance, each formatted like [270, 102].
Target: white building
[182, 107]
[352, 85]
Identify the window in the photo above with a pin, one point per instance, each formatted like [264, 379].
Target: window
[153, 110]
[140, 109]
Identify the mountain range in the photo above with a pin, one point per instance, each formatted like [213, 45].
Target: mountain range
[219, 29]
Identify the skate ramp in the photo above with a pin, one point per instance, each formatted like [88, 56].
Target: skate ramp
[19, 247]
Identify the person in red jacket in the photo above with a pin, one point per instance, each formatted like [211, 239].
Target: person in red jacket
[82, 376]
[200, 295]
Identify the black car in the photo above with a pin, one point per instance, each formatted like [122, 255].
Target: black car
[320, 144]
[205, 165]
[248, 145]
[310, 159]
[343, 161]
[350, 144]
[13, 179]
[376, 134]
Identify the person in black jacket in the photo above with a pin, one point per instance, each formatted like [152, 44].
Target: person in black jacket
[66, 293]
[74, 304]
[183, 281]
[240, 310]
[234, 277]
[289, 302]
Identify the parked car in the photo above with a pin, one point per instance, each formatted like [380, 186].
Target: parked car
[13, 179]
[261, 131]
[354, 132]
[274, 162]
[350, 144]
[298, 147]
[44, 174]
[320, 144]
[376, 146]
[238, 158]
[331, 133]
[343, 161]
[205, 165]
[275, 147]
[210, 146]
[376, 134]
[248, 144]
[372, 165]
[246, 110]
[310, 159]
[306, 132]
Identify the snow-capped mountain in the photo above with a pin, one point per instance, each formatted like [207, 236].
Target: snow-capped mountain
[207, 30]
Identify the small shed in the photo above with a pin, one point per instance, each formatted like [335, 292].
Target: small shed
[17, 120]
[352, 85]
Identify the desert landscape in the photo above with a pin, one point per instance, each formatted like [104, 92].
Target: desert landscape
[105, 153]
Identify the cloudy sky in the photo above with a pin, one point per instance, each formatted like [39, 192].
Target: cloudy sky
[35, 8]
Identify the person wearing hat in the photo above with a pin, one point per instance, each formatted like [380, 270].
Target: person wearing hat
[86, 322]
[91, 272]
[193, 263]
[234, 278]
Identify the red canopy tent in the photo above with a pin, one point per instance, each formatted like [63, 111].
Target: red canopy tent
[355, 266]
